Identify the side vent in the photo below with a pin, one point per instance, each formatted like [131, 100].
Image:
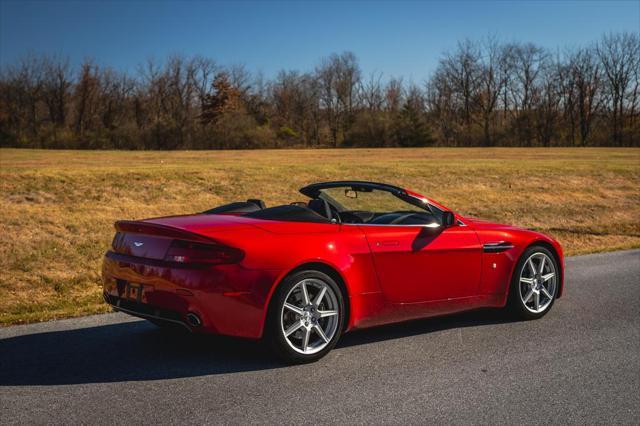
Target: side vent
[497, 247]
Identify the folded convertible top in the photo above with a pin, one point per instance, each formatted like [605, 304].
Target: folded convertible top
[288, 213]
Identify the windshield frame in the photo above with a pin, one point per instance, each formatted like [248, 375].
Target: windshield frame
[316, 191]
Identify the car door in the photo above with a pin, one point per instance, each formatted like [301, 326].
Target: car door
[420, 264]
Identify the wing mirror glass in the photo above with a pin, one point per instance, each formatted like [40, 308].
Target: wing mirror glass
[448, 219]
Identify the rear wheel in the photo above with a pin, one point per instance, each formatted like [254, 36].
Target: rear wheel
[534, 285]
[306, 317]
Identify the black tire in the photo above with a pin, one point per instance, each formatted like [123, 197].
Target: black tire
[515, 304]
[274, 334]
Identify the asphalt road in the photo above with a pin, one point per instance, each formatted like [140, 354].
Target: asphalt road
[579, 364]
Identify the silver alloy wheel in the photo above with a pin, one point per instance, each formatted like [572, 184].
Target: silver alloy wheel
[309, 316]
[538, 280]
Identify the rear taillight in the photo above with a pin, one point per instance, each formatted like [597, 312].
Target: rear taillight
[117, 240]
[182, 251]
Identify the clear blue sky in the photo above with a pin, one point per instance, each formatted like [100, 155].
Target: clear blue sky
[395, 38]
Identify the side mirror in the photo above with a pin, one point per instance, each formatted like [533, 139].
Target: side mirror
[448, 219]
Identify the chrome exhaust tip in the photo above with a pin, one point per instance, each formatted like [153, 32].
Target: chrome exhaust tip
[193, 320]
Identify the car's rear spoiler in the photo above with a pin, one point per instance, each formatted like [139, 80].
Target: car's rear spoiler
[146, 228]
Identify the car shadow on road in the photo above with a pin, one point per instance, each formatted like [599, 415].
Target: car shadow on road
[138, 351]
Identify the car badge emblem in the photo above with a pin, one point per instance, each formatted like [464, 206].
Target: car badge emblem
[138, 244]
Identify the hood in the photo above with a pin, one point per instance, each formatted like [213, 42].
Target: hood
[485, 224]
[490, 231]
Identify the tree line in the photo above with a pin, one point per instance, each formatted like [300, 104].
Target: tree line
[482, 93]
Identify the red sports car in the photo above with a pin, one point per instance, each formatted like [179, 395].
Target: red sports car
[355, 255]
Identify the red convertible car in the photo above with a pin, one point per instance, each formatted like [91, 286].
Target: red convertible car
[354, 255]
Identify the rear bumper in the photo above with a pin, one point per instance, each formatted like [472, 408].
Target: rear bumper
[143, 310]
[228, 299]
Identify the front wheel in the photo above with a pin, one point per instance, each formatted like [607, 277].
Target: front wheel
[306, 317]
[534, 285]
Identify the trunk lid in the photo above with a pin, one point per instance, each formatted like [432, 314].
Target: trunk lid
[140, 245]
[151, 238]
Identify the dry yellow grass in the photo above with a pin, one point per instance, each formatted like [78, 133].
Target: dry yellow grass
[58, 206]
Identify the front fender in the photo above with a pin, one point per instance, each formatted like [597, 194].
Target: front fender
[498, 267]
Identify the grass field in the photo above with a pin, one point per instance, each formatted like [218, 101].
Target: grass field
[58, 207]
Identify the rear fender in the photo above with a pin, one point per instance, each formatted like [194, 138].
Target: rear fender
[354, 267]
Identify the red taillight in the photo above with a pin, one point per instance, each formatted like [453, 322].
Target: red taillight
[182, 251]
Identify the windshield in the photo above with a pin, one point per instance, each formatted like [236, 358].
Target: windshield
[372, 200]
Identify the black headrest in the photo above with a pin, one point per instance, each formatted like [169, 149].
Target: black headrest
[321, 207]
[257, 202]
[237, 207]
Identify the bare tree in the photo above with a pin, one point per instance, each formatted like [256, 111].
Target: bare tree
[393, 95]
[86, 95]
[20, 93]
[462, 71]
[371, 92]
[116, 89]
[527, 63]
[548, 101]
[339, 77]
[204, 71]
[56, 83]
[441, 106]
[240, 78]
[587, 78]
[288, 96]
[492, 78]
[619, 55]
[634, 99]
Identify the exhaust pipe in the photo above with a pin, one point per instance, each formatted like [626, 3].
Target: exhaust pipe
[193, 320]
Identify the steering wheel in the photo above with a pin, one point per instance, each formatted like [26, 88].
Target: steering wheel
[334, 213]
[401, 218]
[350, 217]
